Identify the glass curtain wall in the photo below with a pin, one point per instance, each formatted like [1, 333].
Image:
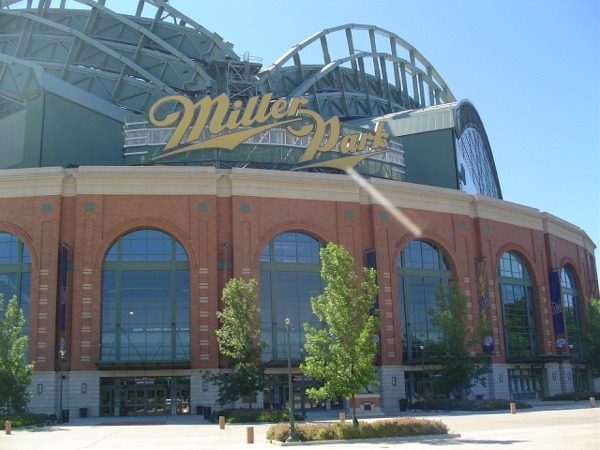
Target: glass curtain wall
[516, 294]
[570, 298]
[15, 274]
[145, 299]
[289, 277]
[421, 268]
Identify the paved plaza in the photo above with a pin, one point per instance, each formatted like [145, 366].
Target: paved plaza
[547, 426]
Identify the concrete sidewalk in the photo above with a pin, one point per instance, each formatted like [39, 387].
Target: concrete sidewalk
[550, 425]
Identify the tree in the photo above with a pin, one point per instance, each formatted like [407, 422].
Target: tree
[460, 370]
[15, 373]
[340, 353]
[239, 343]
[591, 336]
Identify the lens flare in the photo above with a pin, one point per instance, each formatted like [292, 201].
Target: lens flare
[383, 201]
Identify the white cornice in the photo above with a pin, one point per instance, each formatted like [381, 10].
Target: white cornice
[421, 197]
[506, 212]
[177, 180]
[146, 180]
[560, 228]
[293, 185]
[37, 182]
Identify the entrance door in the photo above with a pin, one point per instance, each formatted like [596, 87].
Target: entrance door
[276, 394]
[525, 384]
[144, 395]
[107, 399]
[421, 386]
[142, 399]
[183, 395]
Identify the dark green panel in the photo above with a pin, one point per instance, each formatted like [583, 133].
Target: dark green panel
[33, 132]
[21, 132]
[430, 158]
[77, 135]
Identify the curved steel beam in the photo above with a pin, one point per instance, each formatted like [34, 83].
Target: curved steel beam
[19, 80]
[185, 20]
[429, 75]
[94, 43]
[333, 65]
[148, 34]
[183, 25]
[7, 3]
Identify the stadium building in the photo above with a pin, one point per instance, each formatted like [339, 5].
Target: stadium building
[143, 164]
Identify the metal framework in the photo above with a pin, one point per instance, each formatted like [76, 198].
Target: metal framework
[130, 61]
[401, 78]
[474, 153]
[355, 71]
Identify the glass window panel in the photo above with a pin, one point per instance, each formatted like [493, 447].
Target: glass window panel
[265, 256]
[570, 298]
[289, 278]
[180, 254]
[151, 305]
[15, 275]
[25, 258]
[567, 278]
[112, 253]
[421, 267]
[517, 307]
[9, 248]
[8, 286]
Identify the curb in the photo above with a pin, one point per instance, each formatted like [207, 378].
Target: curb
[392, 440]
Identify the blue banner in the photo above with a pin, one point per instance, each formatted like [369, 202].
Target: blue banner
[62, 288]
[556, 303]
[484, 302]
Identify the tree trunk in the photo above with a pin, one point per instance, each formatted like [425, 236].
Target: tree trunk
[354, 419]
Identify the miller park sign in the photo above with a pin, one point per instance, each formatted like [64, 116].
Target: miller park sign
[230, 124]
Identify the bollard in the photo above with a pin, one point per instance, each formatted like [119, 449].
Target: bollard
[222, 422]
[592, 402]
[250, 435]
[8, 426]
[342, 417]
[513, 408]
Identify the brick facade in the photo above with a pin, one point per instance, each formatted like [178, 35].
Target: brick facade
[224, 218]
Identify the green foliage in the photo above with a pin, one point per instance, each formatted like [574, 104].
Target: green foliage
[460, 370]
[239, 343]
[573, 396]
[26, 420]
[446, 404]
[402, 427]
[341, 352]
[242, 415]
[15, 373]
[591, 335]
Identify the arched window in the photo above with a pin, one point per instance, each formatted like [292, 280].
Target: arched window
[516, 295]
[15, 274]
[421, 268]
[289, 277]
[145, 299]
[570, 298]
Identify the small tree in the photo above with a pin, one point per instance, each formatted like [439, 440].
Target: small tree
[341, 353]
[15, 373]
[239, 343]
[460, 370]
[591, 336]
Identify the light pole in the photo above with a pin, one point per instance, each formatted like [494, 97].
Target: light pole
[572, 357]
[62, 353]
[422, 348]
[292, 437]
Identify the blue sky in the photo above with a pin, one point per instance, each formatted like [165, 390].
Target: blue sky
[530, 67]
